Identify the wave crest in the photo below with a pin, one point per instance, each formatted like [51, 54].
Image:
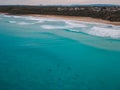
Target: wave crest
[101, 30]
[104, 32]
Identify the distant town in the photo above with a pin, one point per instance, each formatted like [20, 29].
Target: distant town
[108, 12]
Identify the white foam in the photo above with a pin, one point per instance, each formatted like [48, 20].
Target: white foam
[26, 17]
[73, 30]
[53, 20]
[101, 30]
[24, 23]
[104, 32]
[52, 27]
[38, 20]
[6, 16]
[17, 16]
[12, 21]
[73, 24]
[32, 18]
[41, 19]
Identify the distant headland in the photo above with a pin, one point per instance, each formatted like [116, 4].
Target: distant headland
[99, 11]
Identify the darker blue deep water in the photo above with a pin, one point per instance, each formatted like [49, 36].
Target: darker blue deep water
[36, 58]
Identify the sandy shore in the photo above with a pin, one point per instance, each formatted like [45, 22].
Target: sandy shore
[77, 18]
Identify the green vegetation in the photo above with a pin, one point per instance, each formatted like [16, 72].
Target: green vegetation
[111, 13]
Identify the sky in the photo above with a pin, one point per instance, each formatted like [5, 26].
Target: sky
[52, 2]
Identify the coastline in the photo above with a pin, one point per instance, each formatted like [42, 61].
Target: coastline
[77, 18]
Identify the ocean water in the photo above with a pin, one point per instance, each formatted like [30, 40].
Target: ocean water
[56, 54]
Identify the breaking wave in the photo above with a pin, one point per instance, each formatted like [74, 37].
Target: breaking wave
[20, 23]
[104, 32]
[99, 30]
[73, 24]
[12, 21]
[24, 23]
[52, 27]
[17, 16]
[7, 16]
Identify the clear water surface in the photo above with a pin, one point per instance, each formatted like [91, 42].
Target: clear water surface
[55, 54]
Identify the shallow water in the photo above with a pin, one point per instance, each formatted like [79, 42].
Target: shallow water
[49, 54]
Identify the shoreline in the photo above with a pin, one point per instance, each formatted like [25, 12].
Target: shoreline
[76, 18]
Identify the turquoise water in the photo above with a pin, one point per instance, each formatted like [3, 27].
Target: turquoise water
[55, 54]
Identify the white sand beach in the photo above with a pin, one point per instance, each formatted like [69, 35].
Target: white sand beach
[78, 18]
